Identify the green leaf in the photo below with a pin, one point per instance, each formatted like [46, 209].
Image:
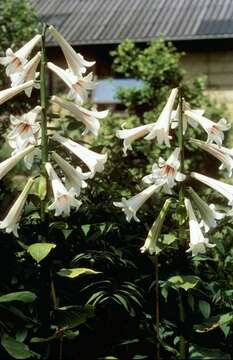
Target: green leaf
[86, 228]
[225, 323]
[164, 292]
[73, 316]
[17, 349]
[198, 352]
[39, 251]
[225, 329]
[75, 272]
[185, 282]
[168, 239]
[23, 296]
[204, 308]
[70, 334]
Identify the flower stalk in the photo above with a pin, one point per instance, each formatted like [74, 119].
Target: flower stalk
[182, 343]
[158, 224]
[44, 137]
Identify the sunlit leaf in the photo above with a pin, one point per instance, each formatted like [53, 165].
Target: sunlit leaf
[75, 272]
[185, 282]
[39, 251]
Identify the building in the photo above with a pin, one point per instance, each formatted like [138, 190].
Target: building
[201, 28]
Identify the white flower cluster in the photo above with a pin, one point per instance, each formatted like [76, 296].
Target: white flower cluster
[165, 174]
[25, 134]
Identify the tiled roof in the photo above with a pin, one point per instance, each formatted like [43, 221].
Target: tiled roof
[111, 21]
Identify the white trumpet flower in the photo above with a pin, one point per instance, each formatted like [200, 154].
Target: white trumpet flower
[208, 213]
[130, 135]
[160, 130]
[213, 130]
[88, 117]
[8, 164]
[76, 63]
[63, 199]
[175, 117]
[14, 61]
[94, 161]
[225, 189]
[75, 178]
[11, 92]
[132, 205]
[78, 85]
[11, 221]
[28, 73]
[166, 172]
[198, 243]
[153, 235]
[218, 152]
[25, 129]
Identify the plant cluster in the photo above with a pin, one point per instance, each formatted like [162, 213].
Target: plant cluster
[72, 277]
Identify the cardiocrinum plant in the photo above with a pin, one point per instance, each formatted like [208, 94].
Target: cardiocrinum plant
[31, 140]
[172, 178]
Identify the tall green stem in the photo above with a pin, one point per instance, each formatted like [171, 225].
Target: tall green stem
[183, 345]
[157, 307]
[154, 232]
[43, 102]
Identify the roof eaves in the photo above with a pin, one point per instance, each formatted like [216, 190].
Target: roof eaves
[141, 40]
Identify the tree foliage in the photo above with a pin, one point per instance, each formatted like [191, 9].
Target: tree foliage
[18, 23]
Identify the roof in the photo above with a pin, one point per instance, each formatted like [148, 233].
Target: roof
[85, 22]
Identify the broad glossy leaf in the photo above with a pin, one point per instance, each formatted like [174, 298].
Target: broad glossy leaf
[23, 296]
[72, 316]
[17, 349]
[76, 272]
[204, 308]
[39, 251]
[185, 282]
[198, 352]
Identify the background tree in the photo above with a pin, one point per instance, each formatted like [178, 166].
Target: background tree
[18, 24]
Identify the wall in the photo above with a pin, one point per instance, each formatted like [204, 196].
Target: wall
[218, 67]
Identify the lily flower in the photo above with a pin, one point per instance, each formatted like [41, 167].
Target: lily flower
[78, 85]
[63, 199]
[28, 73]
[130, 135]
[132, 205]
[218, 152]
[213, 130]
[11, 221]
[75, 178]
[207, 212]
[8, 164]
[11, 92]
[175, 117]
[153, 235]
[166, 172]
[88, 117]
[76, 63]
[14, 61]
[225, 189]
[25, 129]
[94, 161]
[198, 243]
[160, 130]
